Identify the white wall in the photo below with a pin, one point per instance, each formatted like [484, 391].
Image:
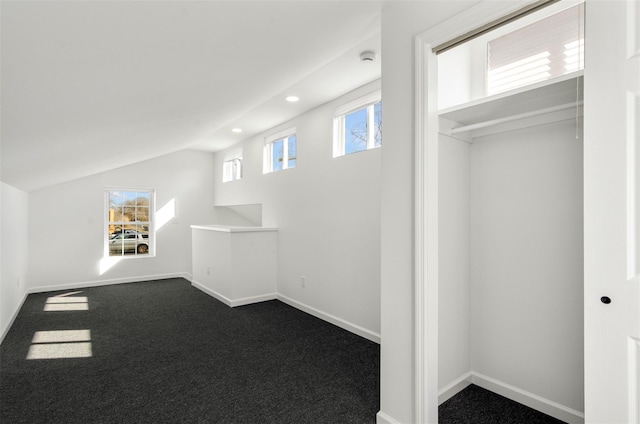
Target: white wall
[511, 264]
[66, 222]
[327, 212]
[454, 320]
[401, 22]
[14, 257]
[527, 261]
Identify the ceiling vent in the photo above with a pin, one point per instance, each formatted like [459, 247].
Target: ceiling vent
[367, 56]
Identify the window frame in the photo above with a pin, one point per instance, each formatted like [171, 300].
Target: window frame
[232, 166]
[267, 152]
[151, 252]
[368, 101]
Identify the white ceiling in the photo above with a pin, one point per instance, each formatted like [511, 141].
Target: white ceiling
[92, 86]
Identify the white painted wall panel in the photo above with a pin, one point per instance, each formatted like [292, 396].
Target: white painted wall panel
[14, 253]
[454, 303]
[401, 22]
[527, 261]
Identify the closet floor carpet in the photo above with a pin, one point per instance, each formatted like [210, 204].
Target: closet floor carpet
[475, 405]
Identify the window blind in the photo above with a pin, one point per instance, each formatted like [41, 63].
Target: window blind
[545, 49]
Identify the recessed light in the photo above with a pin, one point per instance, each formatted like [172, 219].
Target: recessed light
[237, 130]
[292, 99]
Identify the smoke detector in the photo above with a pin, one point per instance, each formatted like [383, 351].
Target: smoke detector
[367, 56]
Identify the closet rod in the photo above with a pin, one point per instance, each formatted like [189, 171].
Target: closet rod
[497, 121]
[533, 7]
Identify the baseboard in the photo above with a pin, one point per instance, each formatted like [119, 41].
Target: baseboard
[13, 318]
[98, 283]
[454, 387]
[236, 302]
[356, 329]
[382, 418]
[531, 400]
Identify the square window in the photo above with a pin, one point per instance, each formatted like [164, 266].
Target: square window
[358, 126]
[280, 151]
[232, 166]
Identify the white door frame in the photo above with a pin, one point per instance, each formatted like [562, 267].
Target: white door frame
[426, 196]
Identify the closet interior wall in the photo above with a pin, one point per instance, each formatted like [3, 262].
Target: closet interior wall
[511, 263]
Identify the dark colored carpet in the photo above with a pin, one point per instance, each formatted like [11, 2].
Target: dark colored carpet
[164, 352]
[475, 405]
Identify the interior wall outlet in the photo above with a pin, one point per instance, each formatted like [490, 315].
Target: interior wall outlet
[208, 270]
[303, 281]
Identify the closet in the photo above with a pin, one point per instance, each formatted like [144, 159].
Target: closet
[511, 232]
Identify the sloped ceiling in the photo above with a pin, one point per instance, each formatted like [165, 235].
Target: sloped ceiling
[92, 86]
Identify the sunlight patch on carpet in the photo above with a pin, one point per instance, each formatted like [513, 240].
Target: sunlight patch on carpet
[60, 344]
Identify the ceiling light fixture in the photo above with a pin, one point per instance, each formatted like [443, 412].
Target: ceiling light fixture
[237, 130]
[367, 56]
[292, 99]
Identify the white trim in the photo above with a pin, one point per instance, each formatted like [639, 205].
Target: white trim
[98, 283]
[520, 116]
[516, 394]
[356, 329]
[151, 251]
[235, 153]
[382, 418]
[233, 303]
[13, 318]
[267, 151]
[529, 399]
[359, 103]
[280, 135]
[367, 102]
[332, 319]
[426, 128]
[455, 387]
[234, 228]
[232, 169]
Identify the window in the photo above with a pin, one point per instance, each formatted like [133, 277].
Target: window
[545, 49]
[280, 151]
[232, 166]
[129, 222]
[358, 125]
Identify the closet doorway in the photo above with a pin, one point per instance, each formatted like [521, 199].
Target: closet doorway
[500, 297]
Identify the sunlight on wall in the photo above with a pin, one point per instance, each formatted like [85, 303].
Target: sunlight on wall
[165, 214]
[107, 262]
[66, 302]
[60, 344]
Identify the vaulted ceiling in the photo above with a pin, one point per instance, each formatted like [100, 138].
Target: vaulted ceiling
[92, 86]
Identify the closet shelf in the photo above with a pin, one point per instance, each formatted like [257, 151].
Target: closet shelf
[535, 97]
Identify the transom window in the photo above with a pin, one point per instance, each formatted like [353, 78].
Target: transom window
[280, 151]
[232, 168]
[129, 222]
[358, 125]
[545, 49]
